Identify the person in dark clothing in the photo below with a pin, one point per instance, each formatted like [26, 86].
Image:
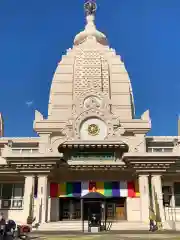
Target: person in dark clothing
[152, 218]
[2, 219]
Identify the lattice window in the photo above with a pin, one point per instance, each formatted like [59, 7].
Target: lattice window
[91, 72]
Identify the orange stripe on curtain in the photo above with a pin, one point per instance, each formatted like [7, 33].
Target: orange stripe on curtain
[62, 190]
[100, 187]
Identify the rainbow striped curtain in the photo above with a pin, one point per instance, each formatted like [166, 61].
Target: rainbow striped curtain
[108, 189]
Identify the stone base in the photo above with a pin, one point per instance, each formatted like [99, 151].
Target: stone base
[94, 229]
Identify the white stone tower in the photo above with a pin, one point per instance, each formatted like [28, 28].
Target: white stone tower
[89, 69]
[91, 91]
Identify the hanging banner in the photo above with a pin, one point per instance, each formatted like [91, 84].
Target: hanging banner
[108, 189]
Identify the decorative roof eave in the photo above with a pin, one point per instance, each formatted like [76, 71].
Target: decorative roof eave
[49, 126]
[162, 138]
[35, 171]
[24, 168]
[34, 168]
[96, 163]
[98, 167]
[151, 171]
[5, 140]
[138, 126]
[150, 156]
[35, 161]
[16, 160]
[95, 144]
[6, 169]
[151, 162]
[42, 125]
[8, 154]
[151, 168]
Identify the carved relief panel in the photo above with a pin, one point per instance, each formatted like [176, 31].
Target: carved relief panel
[91, 100]
[93, 129]
[91, 72]
[93, 125]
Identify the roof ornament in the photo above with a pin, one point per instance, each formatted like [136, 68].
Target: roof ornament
[90, 7]
[90, 30]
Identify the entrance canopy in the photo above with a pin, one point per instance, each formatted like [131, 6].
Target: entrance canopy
[93, 195]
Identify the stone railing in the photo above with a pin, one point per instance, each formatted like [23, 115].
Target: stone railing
[8, 152]
[160, 149]
[24, 150]
[13, 203]
[19, 151]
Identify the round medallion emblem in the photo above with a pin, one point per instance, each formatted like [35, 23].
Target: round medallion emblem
[93, 129]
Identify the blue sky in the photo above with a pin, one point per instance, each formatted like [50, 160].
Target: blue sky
[34, 34]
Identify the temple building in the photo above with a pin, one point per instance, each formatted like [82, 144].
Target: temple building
[91, 142]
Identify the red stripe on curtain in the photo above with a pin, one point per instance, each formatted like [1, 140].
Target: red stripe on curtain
[92, 186]
[53, 190]
[131, 190]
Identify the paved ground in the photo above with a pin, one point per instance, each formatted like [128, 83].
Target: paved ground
[126, 235]
[111, 237]
[124, 232]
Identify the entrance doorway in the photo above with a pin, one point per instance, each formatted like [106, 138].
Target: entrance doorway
[70, 208]
[92, 207]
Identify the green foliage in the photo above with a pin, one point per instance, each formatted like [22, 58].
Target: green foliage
[31, 206]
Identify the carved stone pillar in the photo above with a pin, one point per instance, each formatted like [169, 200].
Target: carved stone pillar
[49, 205]
[144, 197]
[42, 199]
[158, 197]
[28, 196]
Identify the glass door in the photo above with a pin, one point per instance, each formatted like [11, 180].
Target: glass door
[64, 209]
[116, 209]
[76, 209]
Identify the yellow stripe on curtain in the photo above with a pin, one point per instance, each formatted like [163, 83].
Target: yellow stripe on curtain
[137, 188]
[62, 190]
[100, 187]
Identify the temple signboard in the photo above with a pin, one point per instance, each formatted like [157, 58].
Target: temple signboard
[94, 156]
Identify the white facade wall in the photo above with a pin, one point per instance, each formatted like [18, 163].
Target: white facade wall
[133, 209]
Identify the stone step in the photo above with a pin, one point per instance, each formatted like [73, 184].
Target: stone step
[77, 226]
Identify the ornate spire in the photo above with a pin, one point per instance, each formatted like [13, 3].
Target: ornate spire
[90, 7]
[90, 30]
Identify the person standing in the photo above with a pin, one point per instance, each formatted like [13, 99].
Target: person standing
[152, 219]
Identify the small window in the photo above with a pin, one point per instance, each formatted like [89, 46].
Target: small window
[177, 188]
[167, 195]
[168, 149]
[17, 203]
[6, 203]
[18, 190]
[7, 189]
[157, 149]
[150, 150]
[177, 193]
[177, 200]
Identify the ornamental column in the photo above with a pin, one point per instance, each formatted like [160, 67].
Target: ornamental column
[144, 197]
[49, 205]
[158, 198]
[28, 209]
[42, 198]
